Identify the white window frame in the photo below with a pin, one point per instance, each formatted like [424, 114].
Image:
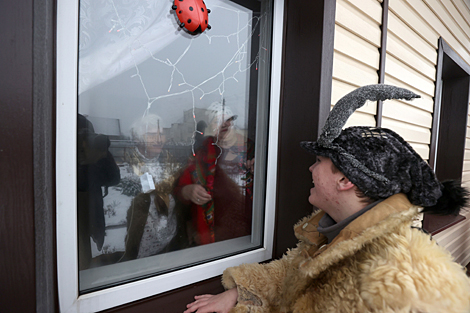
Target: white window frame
[67, 247]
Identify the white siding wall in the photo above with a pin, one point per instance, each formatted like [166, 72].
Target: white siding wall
[411, 63]
[414, 27]
[356, 58]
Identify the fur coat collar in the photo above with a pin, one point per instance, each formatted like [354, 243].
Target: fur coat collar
[383, 219]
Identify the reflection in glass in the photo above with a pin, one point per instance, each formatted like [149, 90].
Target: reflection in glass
[96, 168]
[178, 117]
[217, 182]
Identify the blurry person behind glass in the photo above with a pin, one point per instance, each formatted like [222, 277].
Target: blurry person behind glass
[96, 168]
[152, 221]
[214, 184]
[149, 138]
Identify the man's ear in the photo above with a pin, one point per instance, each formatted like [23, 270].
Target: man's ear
[344, 183]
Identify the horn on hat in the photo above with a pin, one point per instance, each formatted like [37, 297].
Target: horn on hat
[353, 101]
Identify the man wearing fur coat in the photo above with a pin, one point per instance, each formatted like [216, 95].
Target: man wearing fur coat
[360, 252]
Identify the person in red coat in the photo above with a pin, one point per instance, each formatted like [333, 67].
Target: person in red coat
[216, 184]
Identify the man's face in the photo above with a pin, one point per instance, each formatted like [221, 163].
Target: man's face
[152, 142]
[323, 194]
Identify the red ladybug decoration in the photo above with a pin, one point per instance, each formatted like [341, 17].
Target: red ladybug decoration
[192, 14]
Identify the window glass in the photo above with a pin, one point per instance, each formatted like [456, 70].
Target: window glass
[171, 122]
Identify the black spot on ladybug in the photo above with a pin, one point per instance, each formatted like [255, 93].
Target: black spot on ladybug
[189, 21]
[174, 7]
[180, 12]
[191, 8]
[202, 9]
[206, 22]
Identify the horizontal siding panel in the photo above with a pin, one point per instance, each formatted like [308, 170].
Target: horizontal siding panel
[371, 8]
[403, 112]
[466, 155]
[468, 134]
[457, 17]
[401, 51]
[425, 103]
[422, 150]
[464, 249]
[422, 7]
[467, 143]
[458, 243]
[411, 133]
[466, 176]
[414, 21]
[340, 89]
[466, 166]
[466, 179]
[463, 10]
[413, 40]
[442, 13]
[357, 22]
[401, 71]
[459, 246]
[356, 47]
[349, 70]
[445, 237]
[360, 119]
[456, 239]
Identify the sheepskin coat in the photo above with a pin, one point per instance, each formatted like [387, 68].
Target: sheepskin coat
[378, 263]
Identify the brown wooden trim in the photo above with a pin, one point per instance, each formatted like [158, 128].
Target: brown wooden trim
[44, 154]
[453, 55]
[445, 52]
[453, 97]
[453, 128]
[436, 224]
[383, 57]
[17, 263]
[172, 301]
[305, 103]
[449, 126]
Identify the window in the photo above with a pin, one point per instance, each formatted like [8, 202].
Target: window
[158, 130]
[449, 126]
[450, 119]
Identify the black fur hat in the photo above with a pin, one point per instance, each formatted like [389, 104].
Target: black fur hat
[380, 162]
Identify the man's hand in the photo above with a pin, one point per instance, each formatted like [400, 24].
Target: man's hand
[221, 303]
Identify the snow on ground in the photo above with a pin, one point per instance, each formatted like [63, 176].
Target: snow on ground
[113, 241]
[115, 206]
